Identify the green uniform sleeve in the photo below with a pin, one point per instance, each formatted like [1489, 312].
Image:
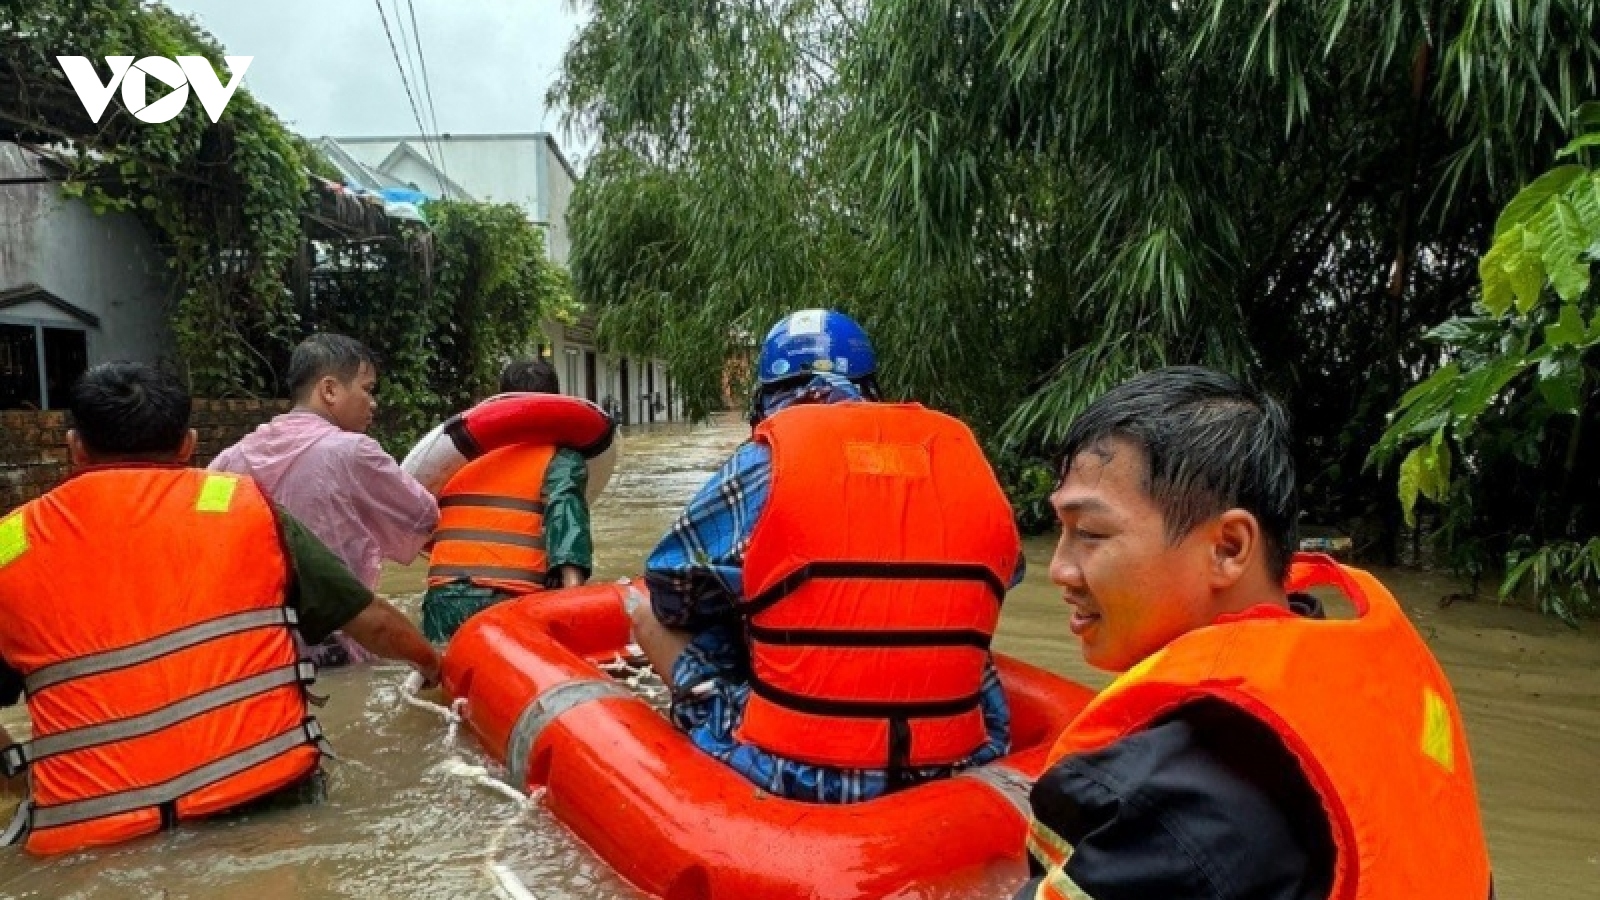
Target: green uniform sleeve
[323, 591]
[566, 514]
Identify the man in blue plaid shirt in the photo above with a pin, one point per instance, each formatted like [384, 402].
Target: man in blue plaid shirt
[693, 632]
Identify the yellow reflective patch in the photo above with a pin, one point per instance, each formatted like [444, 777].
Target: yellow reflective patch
[13, 539]
[898, 460]
[1438, 735]
[1059, 886]
[217, 494]
[1047, 846]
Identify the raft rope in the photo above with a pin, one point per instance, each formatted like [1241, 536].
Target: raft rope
[504, 878]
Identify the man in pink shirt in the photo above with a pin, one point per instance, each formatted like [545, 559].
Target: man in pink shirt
[317, 462]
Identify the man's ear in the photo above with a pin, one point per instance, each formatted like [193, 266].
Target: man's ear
[186, 449]
[1235, 545]
[77, 452]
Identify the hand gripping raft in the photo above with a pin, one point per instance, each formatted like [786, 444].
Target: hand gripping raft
[680, 825]
[505, 420]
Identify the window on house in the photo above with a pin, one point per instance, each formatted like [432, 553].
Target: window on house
[38, 365]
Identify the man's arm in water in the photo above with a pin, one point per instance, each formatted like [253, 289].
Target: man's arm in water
[386, 632]
[329, 598]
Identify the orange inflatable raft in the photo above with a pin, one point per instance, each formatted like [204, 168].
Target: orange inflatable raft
[682, 826]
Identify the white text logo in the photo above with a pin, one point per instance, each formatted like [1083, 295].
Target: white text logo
[179, 75]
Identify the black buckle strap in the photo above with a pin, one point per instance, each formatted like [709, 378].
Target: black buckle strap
[866, 709]
[836, 637]
[492, 501]
[14, 759]
[888, 571]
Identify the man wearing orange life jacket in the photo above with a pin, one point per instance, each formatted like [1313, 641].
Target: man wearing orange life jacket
[514, 521]
[146, 609]
[822, 610]
[1250, 747]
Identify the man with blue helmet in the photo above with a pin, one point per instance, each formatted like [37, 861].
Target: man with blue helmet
[823, 607]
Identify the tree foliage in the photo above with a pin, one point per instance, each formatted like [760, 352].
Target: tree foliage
[226, 202]
[223, 200]
[1510, 407]
[1027, 201]
[443, 341]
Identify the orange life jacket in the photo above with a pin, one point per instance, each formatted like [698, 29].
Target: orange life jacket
[144, 608]
[491, 522]
[1364, 707]
[873, 584]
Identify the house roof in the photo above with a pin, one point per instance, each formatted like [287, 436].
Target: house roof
[447, 185]
[354, 170]
[545, 136]
[33, 293]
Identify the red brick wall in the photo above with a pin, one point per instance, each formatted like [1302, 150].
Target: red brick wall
[33, 445]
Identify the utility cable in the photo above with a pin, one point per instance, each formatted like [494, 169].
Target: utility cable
[383, 17]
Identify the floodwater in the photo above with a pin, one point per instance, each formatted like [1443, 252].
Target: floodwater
[398, 824]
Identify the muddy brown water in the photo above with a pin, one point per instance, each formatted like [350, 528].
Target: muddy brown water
[397, 825]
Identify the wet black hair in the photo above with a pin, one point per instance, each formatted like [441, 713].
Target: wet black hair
[326, 354]
[129, 409]
[1210, 444]
[533, 376]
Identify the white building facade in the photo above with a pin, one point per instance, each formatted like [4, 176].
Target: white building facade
[530, 171]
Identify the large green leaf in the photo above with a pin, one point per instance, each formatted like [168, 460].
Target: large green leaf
[1480, 388]
[1563, 240]
[1499, 292]
[1568, 329]
[1425, 473]
[1579, 143]
[1563, 387]
[1525, 206]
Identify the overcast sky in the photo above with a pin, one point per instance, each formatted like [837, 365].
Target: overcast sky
[326, 68]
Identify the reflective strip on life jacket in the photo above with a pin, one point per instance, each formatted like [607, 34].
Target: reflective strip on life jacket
[20, 755]
[488, 573]
[145, 651]
[308, 732]
[1058, 885]
[487, 501]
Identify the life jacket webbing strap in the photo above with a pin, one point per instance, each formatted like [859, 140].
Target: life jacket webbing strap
[465, 443]
[20, 755]
[145, 651]
[541, 711]
[308, 732]
[492, 501]
[887, 571]
[835, 637]
[866, 709]
[489, 536]
[501, 573]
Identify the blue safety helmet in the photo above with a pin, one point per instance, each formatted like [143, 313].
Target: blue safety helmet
[815, 340]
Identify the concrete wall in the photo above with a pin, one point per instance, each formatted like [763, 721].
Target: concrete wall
[105, 265]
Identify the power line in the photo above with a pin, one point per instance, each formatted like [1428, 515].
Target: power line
[427, 85]
[428, 148]
[398, 65]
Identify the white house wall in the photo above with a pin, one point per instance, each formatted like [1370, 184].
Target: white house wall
[105, 265]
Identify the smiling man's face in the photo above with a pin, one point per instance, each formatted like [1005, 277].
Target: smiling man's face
[1131, 590]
